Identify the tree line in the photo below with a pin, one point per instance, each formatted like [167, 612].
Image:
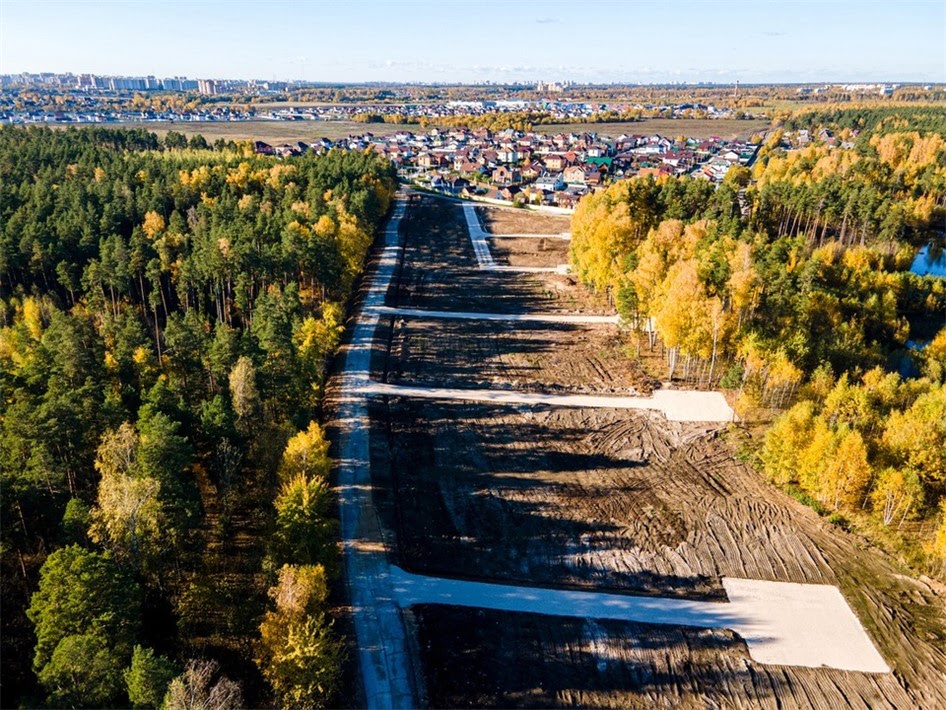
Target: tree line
[794, 270]
[166, 316]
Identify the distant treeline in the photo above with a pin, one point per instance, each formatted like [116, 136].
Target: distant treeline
[871, 119]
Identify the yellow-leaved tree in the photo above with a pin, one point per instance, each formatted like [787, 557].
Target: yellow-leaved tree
[896, 494]
[299, 653]
[847, 474]
[306, 454]
[936, 549]
[814, 458]
[787, 438]
[917, 437]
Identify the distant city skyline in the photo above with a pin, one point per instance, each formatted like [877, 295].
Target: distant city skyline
[595, 41]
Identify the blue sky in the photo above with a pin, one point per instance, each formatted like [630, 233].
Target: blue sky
[449, 40]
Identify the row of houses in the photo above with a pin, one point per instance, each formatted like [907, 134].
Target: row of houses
[549, 169]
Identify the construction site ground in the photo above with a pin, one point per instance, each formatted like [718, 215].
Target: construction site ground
[603, 499]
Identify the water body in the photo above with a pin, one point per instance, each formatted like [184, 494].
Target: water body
[930, 262]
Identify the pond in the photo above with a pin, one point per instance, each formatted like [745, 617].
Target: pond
[930, 261]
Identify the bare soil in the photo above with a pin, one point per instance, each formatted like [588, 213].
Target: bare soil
[544, 357]
[614, 500]
[517, 221]
[529, 251]
[582, 663]
[440, 272]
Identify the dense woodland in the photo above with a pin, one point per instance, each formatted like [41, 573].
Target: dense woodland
[167, 311]
[790, 283]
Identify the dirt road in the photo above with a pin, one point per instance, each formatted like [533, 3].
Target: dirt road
[385, 668]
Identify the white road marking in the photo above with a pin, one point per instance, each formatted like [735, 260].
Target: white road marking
[513, 317]
[790, 624]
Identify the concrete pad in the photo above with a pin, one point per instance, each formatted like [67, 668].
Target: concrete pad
[801, 625]
[807, 625]
[478, 238]
[560, 269]
[704, 409]
[693, 406]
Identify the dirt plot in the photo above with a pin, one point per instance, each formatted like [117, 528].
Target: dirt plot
[602, 498]
[440, 272]
[541, 357]
[581, 663]
[505, 220]
[627, 501]
[621, 501]
[529, 251]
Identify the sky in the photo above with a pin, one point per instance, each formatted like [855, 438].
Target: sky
[632, 41]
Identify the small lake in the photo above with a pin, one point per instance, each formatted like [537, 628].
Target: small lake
[926, 265]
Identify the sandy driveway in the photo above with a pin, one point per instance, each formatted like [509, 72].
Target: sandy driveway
[782, 623]
[676, 405]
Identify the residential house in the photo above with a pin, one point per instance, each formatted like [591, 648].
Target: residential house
[504, 175]
[530, 171]
[285, 150]
[509, 193]
[566, 199]
[507, 155]
[574, 175]
[430, 160]
[455, 185]
[468, 169]
[552, 182]
[555, 162]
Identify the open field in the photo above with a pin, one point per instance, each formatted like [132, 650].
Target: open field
[273, 132]
[594, 499]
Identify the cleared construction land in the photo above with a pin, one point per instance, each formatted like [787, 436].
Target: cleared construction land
[596, 499]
